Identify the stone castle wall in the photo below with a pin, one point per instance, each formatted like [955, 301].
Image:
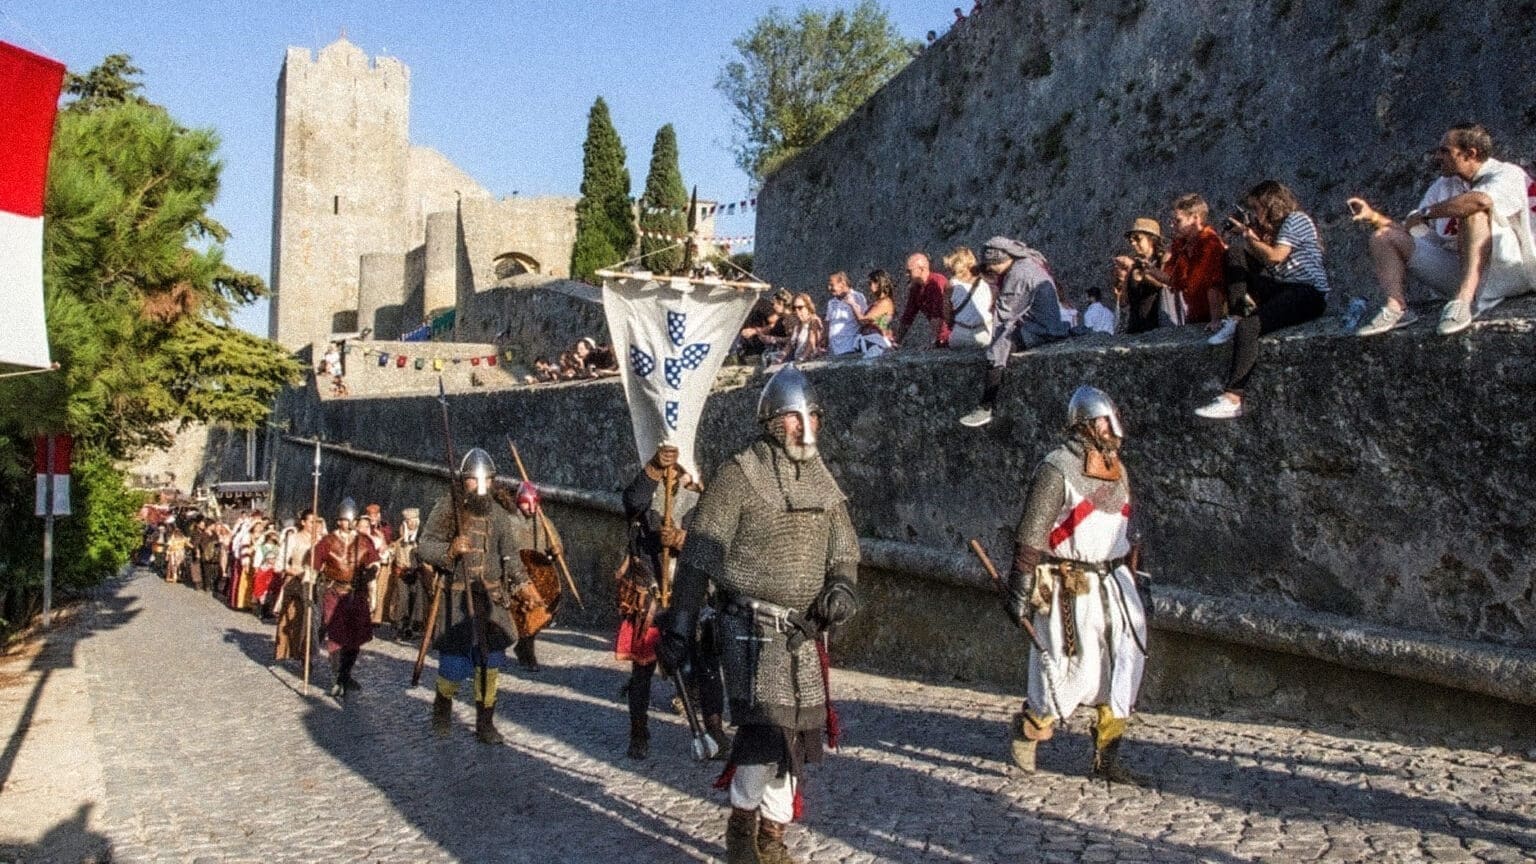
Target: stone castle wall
[1060, 121]
[341, 154]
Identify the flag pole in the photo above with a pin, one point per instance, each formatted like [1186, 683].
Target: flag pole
[48, 538]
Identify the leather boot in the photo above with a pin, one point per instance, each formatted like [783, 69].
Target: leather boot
[1022, 747]
[639, 739]
[741, 837]
[485, 725]
[442, 715]
[716, 729]
[1107, 737]
[770, 842]
[526, 658]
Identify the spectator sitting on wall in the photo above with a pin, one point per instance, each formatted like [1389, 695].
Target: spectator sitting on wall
[1275, 278]
[1195, 262]
[598, 361]
[970, 300]
[843, 310]
[332, 357]
[1098, 317]
[807, 339]
[1470, 236]
[1028, 313]
[767, 325]
[543, 371]
[875, 324]
[927, 293]
[1149, 293]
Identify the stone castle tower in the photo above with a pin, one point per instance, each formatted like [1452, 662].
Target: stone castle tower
[370, 232]
[340, 186]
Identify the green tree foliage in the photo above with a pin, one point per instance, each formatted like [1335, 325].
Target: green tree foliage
[799, 77]
[663, 206]
[605, 221]
[138, 298]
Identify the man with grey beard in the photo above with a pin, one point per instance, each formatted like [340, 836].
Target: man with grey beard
[772, 533]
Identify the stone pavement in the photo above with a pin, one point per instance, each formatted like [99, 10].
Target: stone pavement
[208, 755]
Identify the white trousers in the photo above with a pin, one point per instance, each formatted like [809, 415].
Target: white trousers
[1106, 670]
[755, 787]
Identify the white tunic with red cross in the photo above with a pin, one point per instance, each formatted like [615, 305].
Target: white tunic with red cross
[1093, 526]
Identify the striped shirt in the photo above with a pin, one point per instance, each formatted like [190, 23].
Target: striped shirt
[1305, 263]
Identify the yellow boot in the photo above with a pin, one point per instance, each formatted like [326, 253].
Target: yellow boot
[1108, 733]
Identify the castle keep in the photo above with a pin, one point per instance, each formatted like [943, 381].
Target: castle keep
[372, 233]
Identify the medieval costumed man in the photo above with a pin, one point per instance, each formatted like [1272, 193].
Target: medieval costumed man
[656, 504]
[413, 587]
[479, 546]
[294, 593]
[523, 507]
[348, 564]
[772, 534]
[1074, 574]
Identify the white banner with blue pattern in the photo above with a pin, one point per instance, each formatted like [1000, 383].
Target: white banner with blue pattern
[671, 337]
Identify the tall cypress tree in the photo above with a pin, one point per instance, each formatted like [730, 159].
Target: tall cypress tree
[605, 226]
[663, 205]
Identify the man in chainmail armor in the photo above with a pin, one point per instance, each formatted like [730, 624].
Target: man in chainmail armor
[478, 550]
[772, 534]
[1073, 573]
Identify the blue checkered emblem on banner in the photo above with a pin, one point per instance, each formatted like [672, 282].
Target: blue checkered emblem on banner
[643, 363]
[671, 412]
[677, 326]
[691, 357]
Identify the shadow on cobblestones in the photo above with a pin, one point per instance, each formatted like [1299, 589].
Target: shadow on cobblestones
[71, 840]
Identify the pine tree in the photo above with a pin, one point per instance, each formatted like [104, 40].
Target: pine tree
[663, 204]
[605, 222]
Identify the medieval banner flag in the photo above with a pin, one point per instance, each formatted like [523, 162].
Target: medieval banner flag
[670, 336]
[29, 98]
[50, 461]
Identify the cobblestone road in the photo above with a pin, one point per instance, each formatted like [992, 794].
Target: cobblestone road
[209, 755]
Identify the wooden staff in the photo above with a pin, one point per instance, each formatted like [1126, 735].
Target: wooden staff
[666, 551]
[556, 548]
[308, 592]
[430, 631]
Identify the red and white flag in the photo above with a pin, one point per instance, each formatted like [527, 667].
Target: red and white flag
[29, 99]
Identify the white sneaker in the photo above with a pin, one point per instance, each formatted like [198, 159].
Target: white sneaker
[1456, 317]
[980, 417]
[1387, 319]
[1221, 409]
[1225, 334]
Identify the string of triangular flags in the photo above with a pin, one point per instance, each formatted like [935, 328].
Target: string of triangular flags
[728, 209]
[718, 241]
[433, 364]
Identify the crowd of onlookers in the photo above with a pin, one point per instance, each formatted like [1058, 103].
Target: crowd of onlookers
[330, 371]
[1260, 269]
[586, 359]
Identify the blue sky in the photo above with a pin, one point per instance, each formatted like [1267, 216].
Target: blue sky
[501, 88]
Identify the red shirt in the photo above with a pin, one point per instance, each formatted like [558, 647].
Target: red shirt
[1195, 266]
[930, 297]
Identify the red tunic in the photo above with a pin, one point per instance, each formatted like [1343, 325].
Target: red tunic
[345, 612]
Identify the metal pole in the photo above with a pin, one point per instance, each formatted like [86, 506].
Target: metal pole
[48, 538]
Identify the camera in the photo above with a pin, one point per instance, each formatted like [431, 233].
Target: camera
[1239, 218]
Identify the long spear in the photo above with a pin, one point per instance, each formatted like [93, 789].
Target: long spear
[314, 565]
[556, 548]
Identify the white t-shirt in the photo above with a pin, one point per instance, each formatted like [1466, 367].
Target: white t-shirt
[1099, 317]
[1444, 189]
[976, 315]
[1512, 266]
[842, 326]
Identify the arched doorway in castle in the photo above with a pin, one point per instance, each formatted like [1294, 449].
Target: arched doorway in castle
[509, 264]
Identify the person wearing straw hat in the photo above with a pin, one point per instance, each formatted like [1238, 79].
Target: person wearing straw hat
[1148, 290]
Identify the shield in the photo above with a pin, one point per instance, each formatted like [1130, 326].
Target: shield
[540, 567]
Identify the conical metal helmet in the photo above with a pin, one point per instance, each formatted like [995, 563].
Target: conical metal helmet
[1091, 403]
[347, 510]
[790, 392]
[478, 464]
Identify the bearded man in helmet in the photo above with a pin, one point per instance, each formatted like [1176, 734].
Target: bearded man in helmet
[1074, 574]
[772, 534]
[348, 563]
[477, 550]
